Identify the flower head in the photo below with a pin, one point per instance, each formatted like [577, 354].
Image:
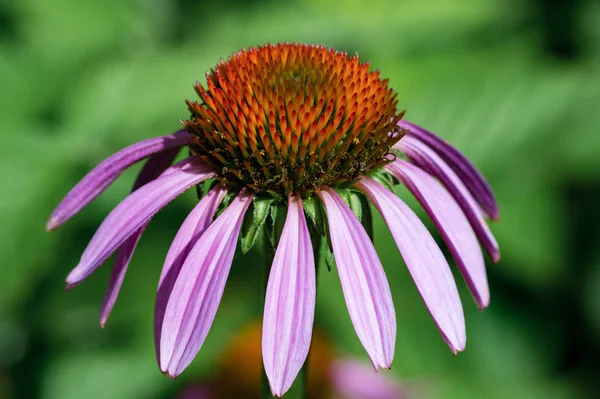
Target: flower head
[291, 118]
[315, 131]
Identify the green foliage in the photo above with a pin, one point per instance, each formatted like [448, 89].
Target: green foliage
[254, 221]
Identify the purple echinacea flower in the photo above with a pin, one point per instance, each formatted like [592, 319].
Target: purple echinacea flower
[314, 130]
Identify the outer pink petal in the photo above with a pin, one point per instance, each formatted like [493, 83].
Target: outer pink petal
[452, 224]
[352, 379]
[290, 302]
[363, 279]
[423, 156]
[199, 287]
[154, 166]
[134, 211]
[190, 231]
[95, 182]
[471, 177]
[424, 260]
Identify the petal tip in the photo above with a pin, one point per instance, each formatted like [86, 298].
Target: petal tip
[496, 257]
[72, 279]
[456, 351]
[70, 286]
[52, 224]
[484, 302]
[461, 346]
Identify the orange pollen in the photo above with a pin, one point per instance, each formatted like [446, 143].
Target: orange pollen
[290, 118]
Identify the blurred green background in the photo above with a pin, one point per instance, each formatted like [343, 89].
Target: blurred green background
[514, 84]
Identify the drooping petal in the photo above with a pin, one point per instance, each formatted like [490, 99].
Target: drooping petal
[424, 260]
[154, 166]
[122, 259]
[352, 379]
[452, 224]
[95, 182]
[134, 211]
[199, 287]
[366, 289]
[190, 231]
[424, 157]
[474, 181]
[289, 302]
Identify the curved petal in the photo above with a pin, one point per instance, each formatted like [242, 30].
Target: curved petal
[352, 379]
[199, 287]
[134, 211]
[452, 224]
[424, 260]
[476, 183]
[363, 279]
[154, 166]
[424, 157]
[95, 182]
[190, 231]
[290, 302]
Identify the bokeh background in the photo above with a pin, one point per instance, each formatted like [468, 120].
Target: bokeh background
[514, 84]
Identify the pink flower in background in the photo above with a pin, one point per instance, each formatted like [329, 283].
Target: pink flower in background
[296, 125]
[348, 379]
[328, 376]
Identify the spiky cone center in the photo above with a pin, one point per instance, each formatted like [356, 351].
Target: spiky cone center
[290, 118]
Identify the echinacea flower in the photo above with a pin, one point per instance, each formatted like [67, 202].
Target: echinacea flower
[315, 131]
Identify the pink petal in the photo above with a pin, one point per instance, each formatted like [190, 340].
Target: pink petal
[95, 182]
[190, 231]
[134, 211]
[427, 159]
[290, 302]
[154, 166]
[199, 287]
[363, 279]
[352, 379]
[424, 260]
[476, 183]
[452, 224]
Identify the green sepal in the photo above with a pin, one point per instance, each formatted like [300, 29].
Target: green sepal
[277, 215]
[203, 188]
[229, 197]
[329, 258]
[361, 208]
[328, 253]
[254, 220]
[366, 215]
[352, 198]
[385, 178]
[314, 210]
[317, 216]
